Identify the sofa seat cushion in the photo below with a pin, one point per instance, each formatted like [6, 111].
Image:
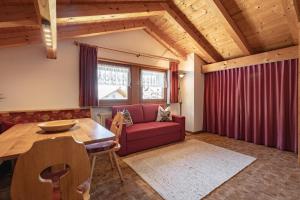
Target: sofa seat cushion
[151, 129]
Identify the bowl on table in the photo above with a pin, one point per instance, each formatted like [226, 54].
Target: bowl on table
[57, 126]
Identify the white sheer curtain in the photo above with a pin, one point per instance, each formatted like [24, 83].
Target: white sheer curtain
[113, 74]
[153, 79]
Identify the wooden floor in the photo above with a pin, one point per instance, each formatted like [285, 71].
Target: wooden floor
[274, 175]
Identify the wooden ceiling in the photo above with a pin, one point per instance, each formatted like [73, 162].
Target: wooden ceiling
[216, 30]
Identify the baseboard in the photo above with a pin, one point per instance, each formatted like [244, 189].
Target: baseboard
[195, 132]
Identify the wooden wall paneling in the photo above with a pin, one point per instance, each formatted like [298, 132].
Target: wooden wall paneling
[230, 26]
[91, 13]
[46, 12]
[271, 56]
[291, 18]
[211, 55]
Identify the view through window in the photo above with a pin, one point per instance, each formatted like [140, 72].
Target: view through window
[113, 81]
[153, 84]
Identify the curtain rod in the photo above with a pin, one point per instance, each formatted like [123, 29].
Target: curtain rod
[131, 53]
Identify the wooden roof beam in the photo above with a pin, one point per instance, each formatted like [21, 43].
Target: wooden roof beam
[211, 55]
[266, 57]
[230, 26]
[101, 12]
[163, 39]
[72, 31]
[46, 11]
[86, 30]
[290, 8]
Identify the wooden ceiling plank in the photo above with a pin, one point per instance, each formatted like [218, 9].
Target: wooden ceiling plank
[230, 26]
[18, 16]
[266, 57]
[163, 39]
[297, 8]
[211, 55]
[290, 8]
[19, 23]
[100, 12]
[46, 11]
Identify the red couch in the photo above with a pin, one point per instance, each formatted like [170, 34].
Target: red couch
[145, 132]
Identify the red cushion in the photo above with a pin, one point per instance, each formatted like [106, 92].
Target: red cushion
[100, 146]
[136, 112]
[150, 112]
[151, 129]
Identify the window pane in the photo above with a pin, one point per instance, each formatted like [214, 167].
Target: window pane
[153, 84]
[113, 81]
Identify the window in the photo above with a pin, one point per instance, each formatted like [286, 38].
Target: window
[113, 81]
[153, 85]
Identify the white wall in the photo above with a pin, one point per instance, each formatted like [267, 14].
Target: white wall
[29, 81]
[199, 94]
[193, 93]
[187, 85]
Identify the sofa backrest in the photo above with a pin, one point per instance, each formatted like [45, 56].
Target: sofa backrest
[139, 112]
[135, 110]
[150, 112]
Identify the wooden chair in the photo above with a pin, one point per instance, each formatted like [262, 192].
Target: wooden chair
[109, 147]
[28, 180]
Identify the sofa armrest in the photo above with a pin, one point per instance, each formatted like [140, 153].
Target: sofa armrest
[181, 121]
[122, 139]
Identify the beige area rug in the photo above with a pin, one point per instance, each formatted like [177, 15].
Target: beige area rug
[189, 170]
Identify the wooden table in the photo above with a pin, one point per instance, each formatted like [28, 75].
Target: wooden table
[20, 137]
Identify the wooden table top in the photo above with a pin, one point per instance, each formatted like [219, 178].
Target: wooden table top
[20, 137]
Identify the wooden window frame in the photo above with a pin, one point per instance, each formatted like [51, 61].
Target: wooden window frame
[109, 102]
[135, 89]
[159, 101]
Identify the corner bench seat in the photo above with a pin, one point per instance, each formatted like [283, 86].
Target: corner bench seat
[9, 119]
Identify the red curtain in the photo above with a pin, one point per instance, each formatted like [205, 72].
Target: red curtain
[256, 103]
[174, 82]
[88, 81]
